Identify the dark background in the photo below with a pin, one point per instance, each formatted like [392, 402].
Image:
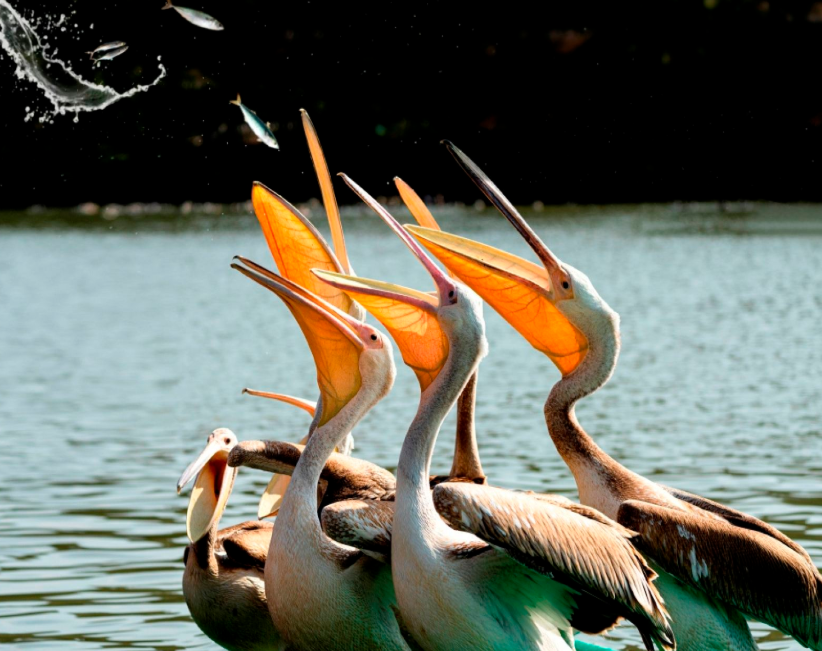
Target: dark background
[581, 102]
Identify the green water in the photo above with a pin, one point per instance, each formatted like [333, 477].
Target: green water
[124, 343]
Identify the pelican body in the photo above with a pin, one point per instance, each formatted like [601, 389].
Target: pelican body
[223, 581]
[717, 565]
[520, 569]
[321, 594]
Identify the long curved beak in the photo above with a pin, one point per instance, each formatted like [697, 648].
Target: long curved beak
[212, 488]
[335, 338]
[194, 468]
[327, 190]
[445, 286]
[415, 205]
[408, 315]
[519, 290]
[297, 246]
[306, 405]
[495, 196]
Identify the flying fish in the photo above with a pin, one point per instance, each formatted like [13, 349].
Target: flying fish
[195, 17]
[261, 129]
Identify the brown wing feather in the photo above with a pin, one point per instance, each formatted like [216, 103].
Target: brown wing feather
[576, 547]
[246, 544]
[737, 518]
[365, 525]
[746, 569]
[347, 477]
[350, 478]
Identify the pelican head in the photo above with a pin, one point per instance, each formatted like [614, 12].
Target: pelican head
[213, 484]
[552, 304]
[352, 358]
[424, 325]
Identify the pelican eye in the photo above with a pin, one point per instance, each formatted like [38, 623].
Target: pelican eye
[451, 294]
[226, 440]
[565, 284]
[373, 337]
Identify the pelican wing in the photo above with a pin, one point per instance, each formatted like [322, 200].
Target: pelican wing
[737, 518]
[246, 544]
[350, 478]
[748, 570]
[579, 548]
[365, 525]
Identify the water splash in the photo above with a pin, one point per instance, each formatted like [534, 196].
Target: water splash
[65, 89]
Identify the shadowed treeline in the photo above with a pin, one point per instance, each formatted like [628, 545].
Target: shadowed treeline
[582, 102]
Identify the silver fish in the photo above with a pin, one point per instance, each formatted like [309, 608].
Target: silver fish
[261, 129]
[195, 17]
[97, 53]
[110, 54]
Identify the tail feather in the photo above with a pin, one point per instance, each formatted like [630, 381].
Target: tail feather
[663, 635]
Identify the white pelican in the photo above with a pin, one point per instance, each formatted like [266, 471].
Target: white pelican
[321, 594]
[531, 568]
[717, 565]
[223, 582]
[297, 247]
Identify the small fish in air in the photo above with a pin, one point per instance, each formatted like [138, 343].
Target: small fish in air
[107, 51]
[199, 18]
[261, 129]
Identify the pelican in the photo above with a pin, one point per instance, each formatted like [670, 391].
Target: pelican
[297, 247]
[522, 571]
[321, 594]
[223, 582]
[717, 565]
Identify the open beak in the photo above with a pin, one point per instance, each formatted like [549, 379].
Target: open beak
[335, 338]
[212, 488]
[408, 315]
[445, 286]
[552, 264]
[297, 246]
[519, 290]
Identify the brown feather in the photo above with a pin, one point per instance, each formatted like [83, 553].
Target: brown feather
[575, 546]
[746, 569]
[246, 544]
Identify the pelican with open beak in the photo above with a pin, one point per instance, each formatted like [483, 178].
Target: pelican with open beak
[297, 247]
[321, 594]
[223, 582]
[717, 565]
[521, 572]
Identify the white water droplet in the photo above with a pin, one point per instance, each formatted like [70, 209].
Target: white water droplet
[65, 89]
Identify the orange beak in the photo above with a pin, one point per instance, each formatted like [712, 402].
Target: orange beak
[336, 339]
[327, 190]
[520, 291]
[409, 315]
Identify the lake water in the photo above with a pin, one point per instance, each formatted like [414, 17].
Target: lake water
[124, 343]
